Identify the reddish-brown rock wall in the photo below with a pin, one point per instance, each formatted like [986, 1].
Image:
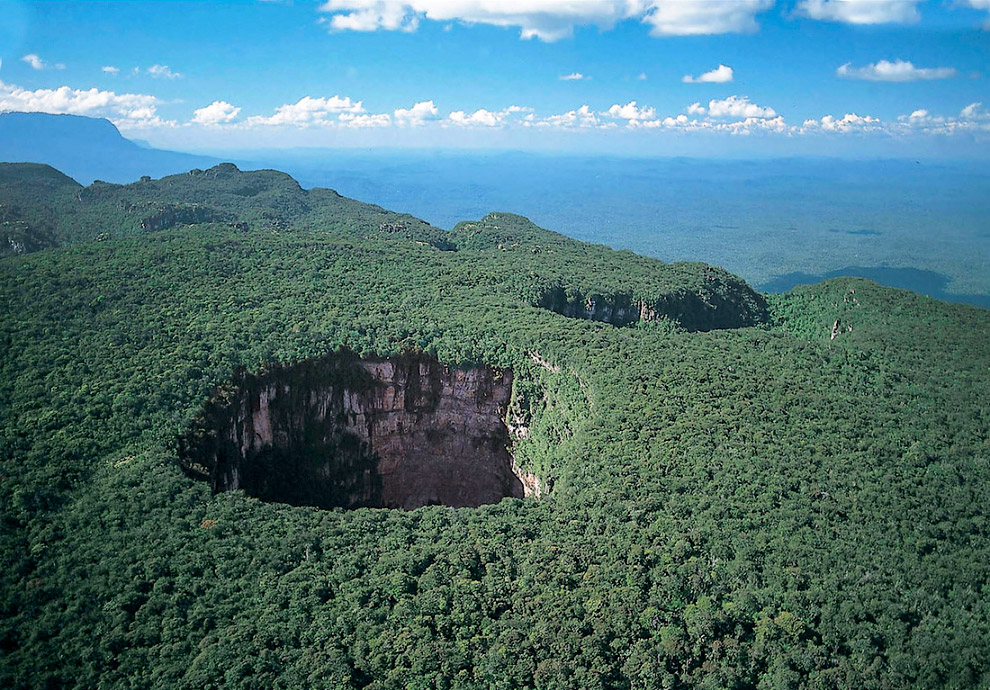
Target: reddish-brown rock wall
[343, 431]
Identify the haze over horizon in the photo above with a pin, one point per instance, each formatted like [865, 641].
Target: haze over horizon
[752, 78]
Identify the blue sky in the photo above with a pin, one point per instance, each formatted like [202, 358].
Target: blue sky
[826, 77]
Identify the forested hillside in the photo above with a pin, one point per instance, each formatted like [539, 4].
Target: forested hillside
[723, 492]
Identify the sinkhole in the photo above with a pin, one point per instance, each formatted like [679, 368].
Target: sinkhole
[343, 431]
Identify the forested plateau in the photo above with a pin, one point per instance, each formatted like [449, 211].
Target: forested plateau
[257, 436]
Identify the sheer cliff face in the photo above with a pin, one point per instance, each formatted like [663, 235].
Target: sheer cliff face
[346, 432]
[721, 301]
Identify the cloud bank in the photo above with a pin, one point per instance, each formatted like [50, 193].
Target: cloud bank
[549, 20]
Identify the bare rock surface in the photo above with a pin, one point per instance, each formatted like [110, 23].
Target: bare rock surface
[347, 432]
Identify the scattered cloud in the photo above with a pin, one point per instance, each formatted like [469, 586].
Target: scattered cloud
[631, 111]
[417, 115]
[549, 20]
[364, 120]
[702, 17]
[974, 111]
[372, 15]
[734, 116]
[971, 119]
[110, 69]
[861, 11]
[735, 106]
[35, 61]
[580, 118]
[163, 72]
[743, 127]
[217, 113]
[574, 76]
[486, 118]
[751, 125]
[482, 117]
[850, 122]
[899, 70]
[308, 111]
[126, 110]
[642, 76]
[720, 75]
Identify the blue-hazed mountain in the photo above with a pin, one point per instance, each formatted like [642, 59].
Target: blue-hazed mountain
[86, 148]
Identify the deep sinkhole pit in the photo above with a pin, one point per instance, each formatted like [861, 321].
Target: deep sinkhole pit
[343, 431]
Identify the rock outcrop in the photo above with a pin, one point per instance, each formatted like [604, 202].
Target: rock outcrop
[171, 215]
[347, 432]
[723, 302]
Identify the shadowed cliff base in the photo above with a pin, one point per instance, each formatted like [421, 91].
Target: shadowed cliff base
[733, 306]
[347, 432]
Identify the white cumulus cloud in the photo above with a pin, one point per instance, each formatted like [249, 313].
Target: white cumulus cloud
[126, 110]
[850, 122]
[364, 120]
[631, 111]
[720, 75]
[703, 17]
[898, 70]
[862, 11]
[309, 111]
[481, 116]
[738, 106]
[573, 76]
[972, 119]
[580, 118]
[416, 115]
[110, 69]
[486, 118]
[216, 113]
[549, 20]
[370, 15]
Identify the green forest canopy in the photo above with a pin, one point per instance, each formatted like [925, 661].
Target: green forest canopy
[739, 499]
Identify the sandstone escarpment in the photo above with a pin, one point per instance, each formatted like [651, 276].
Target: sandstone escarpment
[348, 432]
[720, 301]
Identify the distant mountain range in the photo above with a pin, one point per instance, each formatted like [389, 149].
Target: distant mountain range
[87, 148]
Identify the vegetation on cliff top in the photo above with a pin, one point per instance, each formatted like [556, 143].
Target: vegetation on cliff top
[756, 507]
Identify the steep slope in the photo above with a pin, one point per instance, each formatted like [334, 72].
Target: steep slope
[593, 282]
[29, 206]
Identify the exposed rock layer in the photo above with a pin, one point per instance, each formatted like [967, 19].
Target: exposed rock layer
[725, 303]
[348, 432]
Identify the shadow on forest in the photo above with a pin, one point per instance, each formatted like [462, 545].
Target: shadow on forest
[925, 282]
